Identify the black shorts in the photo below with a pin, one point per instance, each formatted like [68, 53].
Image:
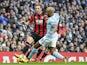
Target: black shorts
[25, 49]
[35, 36]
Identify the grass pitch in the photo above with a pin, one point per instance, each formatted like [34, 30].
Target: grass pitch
[46, 63]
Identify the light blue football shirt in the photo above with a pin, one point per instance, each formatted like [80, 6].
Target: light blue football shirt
[53, 20]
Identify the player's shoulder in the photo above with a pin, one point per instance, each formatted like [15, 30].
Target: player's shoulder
[54, 17]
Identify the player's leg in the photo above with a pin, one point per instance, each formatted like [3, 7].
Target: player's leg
[54, 52]
[43, 56]
[39, 52]
[58, 55]
[34, 50]
[45, 52]
[36, 46]
[36, 38]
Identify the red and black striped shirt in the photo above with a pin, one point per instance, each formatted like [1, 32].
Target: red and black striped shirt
[39, 24]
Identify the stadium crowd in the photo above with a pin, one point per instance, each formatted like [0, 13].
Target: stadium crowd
[14, 33]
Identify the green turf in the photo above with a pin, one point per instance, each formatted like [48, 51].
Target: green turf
[50, 63]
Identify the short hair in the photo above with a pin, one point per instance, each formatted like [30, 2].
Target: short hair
[38, 4]
[50, 11]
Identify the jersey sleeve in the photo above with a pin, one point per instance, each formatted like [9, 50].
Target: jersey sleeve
[55, 19]
[31, 18]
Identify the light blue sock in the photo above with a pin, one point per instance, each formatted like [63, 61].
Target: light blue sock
[34, 50]
[58, 55]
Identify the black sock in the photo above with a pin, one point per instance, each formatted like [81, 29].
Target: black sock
[44, 55]
[39, 52]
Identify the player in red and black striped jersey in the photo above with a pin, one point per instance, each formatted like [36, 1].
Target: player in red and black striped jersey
[39, 21]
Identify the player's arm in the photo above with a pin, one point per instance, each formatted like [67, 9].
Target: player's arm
[30, 21]
[26, 23]
[54, 28]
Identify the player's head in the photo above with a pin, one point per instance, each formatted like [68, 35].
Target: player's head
[38, 8]
[50, 11]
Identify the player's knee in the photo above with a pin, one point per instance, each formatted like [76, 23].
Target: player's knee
[52, 50]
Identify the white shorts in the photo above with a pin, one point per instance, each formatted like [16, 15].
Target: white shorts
[51, 42]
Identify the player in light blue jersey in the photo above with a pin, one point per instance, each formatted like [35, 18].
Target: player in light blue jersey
[51, 36]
